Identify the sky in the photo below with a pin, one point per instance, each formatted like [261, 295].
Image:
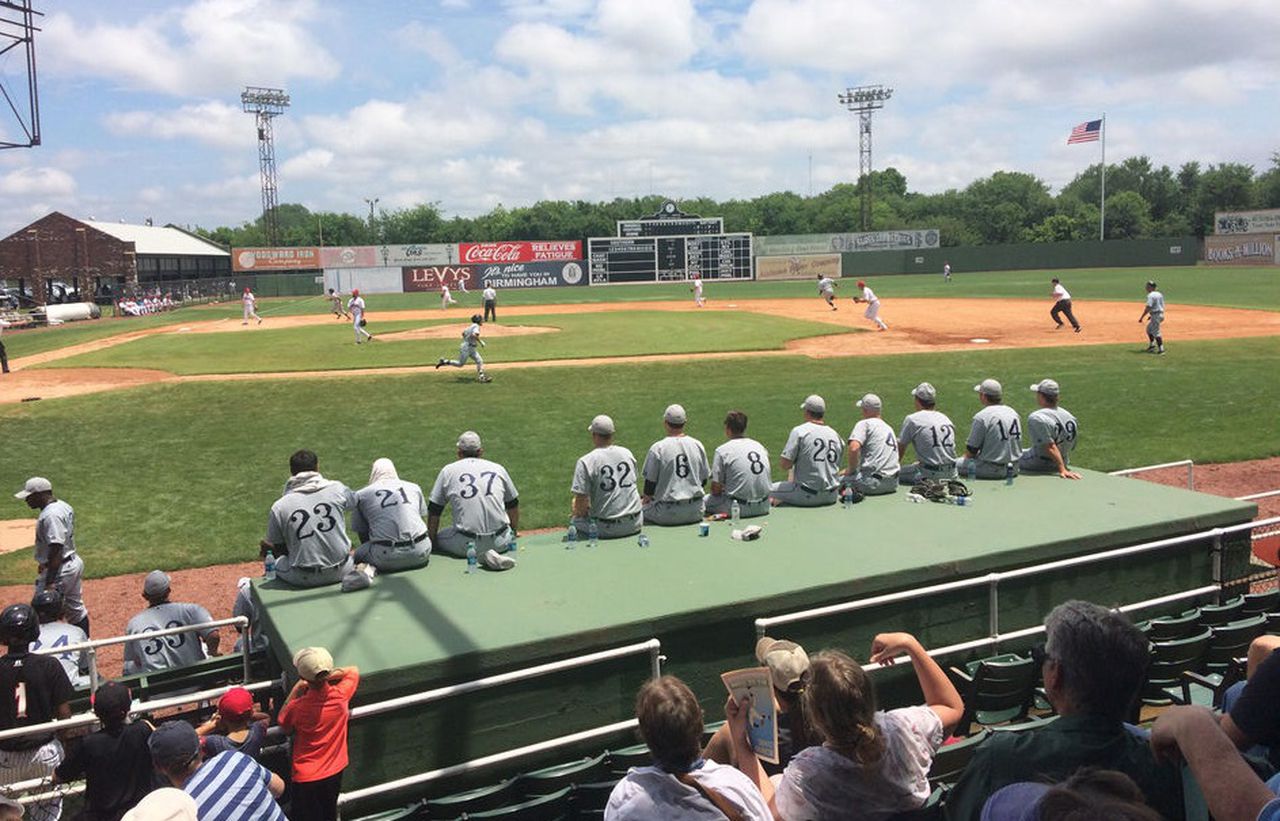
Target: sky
[475, 103]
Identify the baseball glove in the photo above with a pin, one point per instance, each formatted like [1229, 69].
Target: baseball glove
[363, 322]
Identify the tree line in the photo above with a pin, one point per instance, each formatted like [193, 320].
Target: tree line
[1008, 206]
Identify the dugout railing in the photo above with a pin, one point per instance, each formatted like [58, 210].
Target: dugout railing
[1187, 463]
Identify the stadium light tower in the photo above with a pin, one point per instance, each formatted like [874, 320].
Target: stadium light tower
[865, 100]
[17, 30]
[266, 104]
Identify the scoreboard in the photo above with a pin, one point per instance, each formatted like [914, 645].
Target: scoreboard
[670, 221]
[664, 258]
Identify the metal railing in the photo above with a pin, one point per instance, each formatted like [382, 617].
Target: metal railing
[652, 647]
[1253, 497]
[1190, 465]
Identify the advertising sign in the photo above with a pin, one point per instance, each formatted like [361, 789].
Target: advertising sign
[431, 277]
[274, 259]
[416, 254]
[531, 274]
[1247, 222]
[349, 256]
[493, 253]
[804, 266]
[1244, 249]
[800, 244]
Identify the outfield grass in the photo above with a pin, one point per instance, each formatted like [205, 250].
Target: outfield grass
[183, 475]
[332, 347]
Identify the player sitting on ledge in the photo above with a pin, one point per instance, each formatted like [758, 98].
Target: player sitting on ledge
[604, 486]
[739, 472]
[675, 471]
[306, 529]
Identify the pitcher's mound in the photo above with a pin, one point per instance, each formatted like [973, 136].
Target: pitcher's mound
[455, 332]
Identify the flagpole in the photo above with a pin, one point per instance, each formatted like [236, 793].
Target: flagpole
[1102, 219]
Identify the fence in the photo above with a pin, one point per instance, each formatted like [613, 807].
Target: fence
[1190, 465]
[1032, 255]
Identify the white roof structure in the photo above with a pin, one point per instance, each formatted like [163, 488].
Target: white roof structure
[148, 239]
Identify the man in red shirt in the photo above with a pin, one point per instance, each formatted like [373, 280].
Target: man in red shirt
[316, 713]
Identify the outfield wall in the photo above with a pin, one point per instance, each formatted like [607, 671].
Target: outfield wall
[1083, 254]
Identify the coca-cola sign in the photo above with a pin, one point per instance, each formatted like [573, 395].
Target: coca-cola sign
[497, 253]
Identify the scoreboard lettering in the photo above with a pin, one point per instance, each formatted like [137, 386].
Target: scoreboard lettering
[669, 227]
[669, 258]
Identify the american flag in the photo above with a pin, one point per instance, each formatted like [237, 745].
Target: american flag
[1086, 132]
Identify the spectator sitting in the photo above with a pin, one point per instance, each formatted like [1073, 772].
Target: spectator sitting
[1094, 662]
[1089, 794]
[875, 761]
[680, 784]
[55, 632]
[244, 606]
[230, 786]
[388, 519]
[315, 713]
[178, 650]
[164, 804]
[604, 486]
[115, 761]
[1251, 708]
[1231, 789]
[306, 529]
[235, 726]
[789, 671]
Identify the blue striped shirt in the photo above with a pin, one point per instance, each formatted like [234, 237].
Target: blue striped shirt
[232, 786]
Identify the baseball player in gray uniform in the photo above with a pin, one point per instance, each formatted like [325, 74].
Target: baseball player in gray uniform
[244, 606]
[388, 520]
[995, 439]
[482, 497]
[1154, 314]
[739, 472]
[604, 485]
[933, 436]
[60, 568]
[146, 654]
[307, 529]
[827, 290]
[470, 349]
[1053, 432]
[55, 632]
[675, 472]
[812, 457]
[873, 452]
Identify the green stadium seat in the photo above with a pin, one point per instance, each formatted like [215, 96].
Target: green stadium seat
[1169, 660]
[413, 811]
[1256, 604]
[709, 730]
[554, 779]
[1231, 641]
[1169, 628]
[470, 801]
[1211, 615]
[1273, 623]
[553, 807]
[996, 690]
[1222, 666]
[622, 760]
[592, 797]
[950, 760]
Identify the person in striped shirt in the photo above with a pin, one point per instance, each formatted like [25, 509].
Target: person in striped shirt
[230, 786]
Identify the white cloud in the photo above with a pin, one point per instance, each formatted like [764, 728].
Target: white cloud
[212, 123]
[37, 181]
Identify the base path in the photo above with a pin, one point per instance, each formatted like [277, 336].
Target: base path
[916, 325]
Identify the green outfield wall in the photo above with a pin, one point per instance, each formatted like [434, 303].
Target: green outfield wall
[1022, 256]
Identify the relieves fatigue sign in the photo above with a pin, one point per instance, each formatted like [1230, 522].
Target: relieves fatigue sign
[494, 253]
[1247, 222]
[275, 259]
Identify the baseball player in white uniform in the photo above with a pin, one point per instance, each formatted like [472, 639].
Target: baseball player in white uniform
[933, 436]
[355, 306]
[812, 457]
[388, 518]
[335, 303]
[147, 654]
[490, 296]
[675, 472]
[60, 568]
[873, 466]
[250, 307]
[470, 349]
[995, 439]
[739, 472]
[604, 485]
[1062, 305]
[1053, 432]
[873, 305]
[482, 498]
[1154, 314]
[946, 272]
[462, 284]
[446, 299]
[55, 632]
[827, 290]
[698, 301]
[307, 529]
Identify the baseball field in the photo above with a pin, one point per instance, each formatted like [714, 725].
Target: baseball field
[170, 434]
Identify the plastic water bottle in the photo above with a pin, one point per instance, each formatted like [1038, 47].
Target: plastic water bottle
[972, 469]
[962, 501]
[571, 538]
[511, 546]
[593, 534]
[642, 538]
[846, 498]
[1008, 473]
[472, 561]
[269, 566]
[735, 512]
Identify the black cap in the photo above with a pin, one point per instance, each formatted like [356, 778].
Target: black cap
[19, 625]
[477, 318]
[48, 605]
[112, 699]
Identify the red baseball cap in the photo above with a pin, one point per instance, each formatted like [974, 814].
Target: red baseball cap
[235, 703]
[862, 283]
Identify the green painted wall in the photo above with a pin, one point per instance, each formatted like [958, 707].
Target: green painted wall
[1083, 254]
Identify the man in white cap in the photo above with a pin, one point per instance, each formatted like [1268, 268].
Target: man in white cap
[994, 445]
[55, 551]
[1053, 432]
[812, 457]
[932, 434]
[388, 520]
[675, 472]
[146, 654]
[873, 464]
[604, 485]
[484, 502]
[307, 528]
[739, 472]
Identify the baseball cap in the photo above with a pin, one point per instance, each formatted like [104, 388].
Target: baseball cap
[36, 484]
[990, 387]
[164, 804]
[925, 392]
[156, 584]
[675, 415]
[814, 404]
[787, 661]
[1015, 802]
[112, 699]
[310, 662]
[602, 425]
[469, 440]
[870, 401]
[862, 283]
[355, 292]
[173, 744]
[235, 703]
[1046, 386]
[1151, 283]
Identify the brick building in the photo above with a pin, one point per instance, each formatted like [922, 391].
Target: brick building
[59, 258]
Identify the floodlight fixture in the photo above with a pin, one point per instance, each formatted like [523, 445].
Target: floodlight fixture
[17, 34]
[863, 101]
[266, 104]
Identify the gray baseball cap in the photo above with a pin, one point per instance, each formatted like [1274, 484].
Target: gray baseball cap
[675, 415]
[156, 584]
[870, 401]
[173, 743]
[990, 387]
[1046, 386]
[925, 392]
[469, 441]
[814, 404]
[602, 425]
[36, 484]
